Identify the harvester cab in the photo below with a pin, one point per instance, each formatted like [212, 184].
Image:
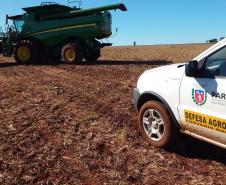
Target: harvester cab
[9, 35]
[51, 30]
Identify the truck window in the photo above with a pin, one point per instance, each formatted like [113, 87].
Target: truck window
[215, 64]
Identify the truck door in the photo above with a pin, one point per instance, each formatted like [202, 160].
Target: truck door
[202, 106]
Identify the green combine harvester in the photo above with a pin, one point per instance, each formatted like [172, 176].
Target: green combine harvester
[54, 31]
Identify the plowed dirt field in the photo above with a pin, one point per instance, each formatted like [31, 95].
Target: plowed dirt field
[75, 124]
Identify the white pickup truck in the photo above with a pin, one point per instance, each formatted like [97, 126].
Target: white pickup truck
[189, 98]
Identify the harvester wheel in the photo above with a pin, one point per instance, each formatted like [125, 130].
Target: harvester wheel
[26, 52]
[92, 56]
[0, 47]
[72, 53]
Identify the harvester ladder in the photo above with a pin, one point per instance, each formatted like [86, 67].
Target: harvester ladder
[1, 32]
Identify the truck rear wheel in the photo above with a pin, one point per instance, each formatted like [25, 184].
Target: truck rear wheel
[72, 53]
[92, 56]
[26, 52]
[155, 124]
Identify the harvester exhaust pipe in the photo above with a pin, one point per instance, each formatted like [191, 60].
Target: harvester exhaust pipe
[6, 20]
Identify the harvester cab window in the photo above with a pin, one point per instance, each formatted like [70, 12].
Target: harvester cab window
[18, 25]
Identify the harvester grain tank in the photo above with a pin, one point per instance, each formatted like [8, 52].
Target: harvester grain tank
[57, 31]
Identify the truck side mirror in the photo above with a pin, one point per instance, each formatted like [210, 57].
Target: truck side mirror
[191, 68]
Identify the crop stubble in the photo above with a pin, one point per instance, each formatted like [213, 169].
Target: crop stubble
[67, 124]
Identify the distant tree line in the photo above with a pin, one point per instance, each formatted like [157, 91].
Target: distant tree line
[212, 41]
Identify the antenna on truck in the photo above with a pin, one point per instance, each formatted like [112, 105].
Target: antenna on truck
[79, 2]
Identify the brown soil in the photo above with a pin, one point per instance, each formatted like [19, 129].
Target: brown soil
[172, 53]
[68, 124]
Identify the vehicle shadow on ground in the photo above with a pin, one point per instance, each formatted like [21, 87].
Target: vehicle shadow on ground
[193, 148]
[8, 64]
[101, 62]
[131, 62]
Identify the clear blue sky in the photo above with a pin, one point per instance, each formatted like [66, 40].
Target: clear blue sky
[153, 21]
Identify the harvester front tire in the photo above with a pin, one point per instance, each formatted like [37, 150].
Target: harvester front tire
[0, 48]
[92, 56]
[26, 52]
[72, 53]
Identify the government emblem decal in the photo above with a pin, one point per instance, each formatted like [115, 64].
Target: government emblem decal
[199, 96]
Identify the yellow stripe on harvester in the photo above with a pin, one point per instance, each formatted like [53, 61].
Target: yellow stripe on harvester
[65, 28]
[207, 121]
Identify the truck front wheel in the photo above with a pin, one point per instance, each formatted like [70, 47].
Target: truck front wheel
[72, 53]
[26, 52]
[155, 124]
